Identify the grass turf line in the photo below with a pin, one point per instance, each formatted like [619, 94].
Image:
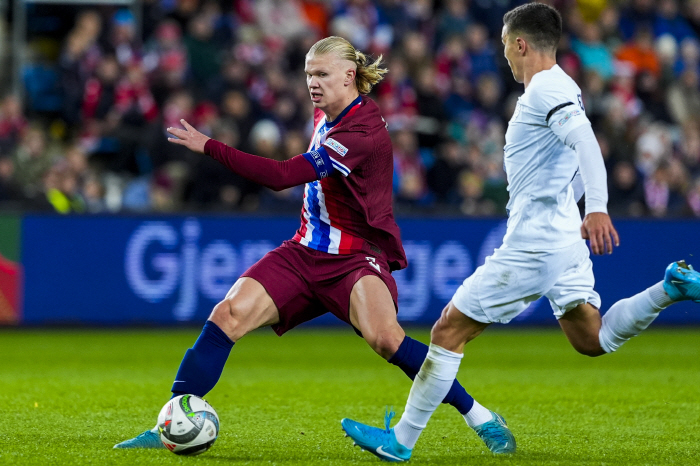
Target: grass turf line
[70, 395]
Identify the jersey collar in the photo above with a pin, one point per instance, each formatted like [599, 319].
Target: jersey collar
[330, 124]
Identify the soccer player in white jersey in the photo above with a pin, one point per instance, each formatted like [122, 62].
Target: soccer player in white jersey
[549, 140]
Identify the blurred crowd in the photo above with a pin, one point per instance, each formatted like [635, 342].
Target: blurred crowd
[90, 136]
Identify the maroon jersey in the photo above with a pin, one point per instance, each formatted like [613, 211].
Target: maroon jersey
[351, 202]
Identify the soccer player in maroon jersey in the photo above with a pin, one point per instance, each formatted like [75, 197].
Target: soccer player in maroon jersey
[341, 258]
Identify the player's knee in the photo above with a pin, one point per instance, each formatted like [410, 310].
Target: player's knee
[230, 318]
[591, 348]
[385, 343]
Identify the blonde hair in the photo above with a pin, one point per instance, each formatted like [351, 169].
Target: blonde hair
[368, 72]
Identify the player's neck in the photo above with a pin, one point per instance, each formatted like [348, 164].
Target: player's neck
[332, 114]
[538, 63]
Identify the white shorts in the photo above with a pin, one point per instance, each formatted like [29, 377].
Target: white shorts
[512, 279]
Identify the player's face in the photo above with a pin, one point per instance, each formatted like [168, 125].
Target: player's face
[511, 52]
[331, 81]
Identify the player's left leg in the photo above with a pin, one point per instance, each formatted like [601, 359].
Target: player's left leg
[247, 306]
[592, 335]
[373, 312]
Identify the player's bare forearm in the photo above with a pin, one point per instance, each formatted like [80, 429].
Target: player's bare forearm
[188, 137]
[599, 230]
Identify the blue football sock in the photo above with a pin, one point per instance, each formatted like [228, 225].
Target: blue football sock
[410, 356]
[202, 365]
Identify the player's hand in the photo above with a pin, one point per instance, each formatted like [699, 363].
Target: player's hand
[598, 228]
[188, 137]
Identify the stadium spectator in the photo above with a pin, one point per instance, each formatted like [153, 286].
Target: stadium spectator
[689, 148]
[594, 54]
[693, 198]
[359, 22]
[93, 193]
[670, 21]
[609, 19]
[80, 57]
[61, 189]
[454, 20]
[432, 116]
[397, 96]
[280, 20]
[452, 61]
[442, 175]
[640, 14]
[683, 98]
[410, 184]
[10, 190]
[692, 13]
[165, 60]
[33, 159]
[123, 42]
[625, 191]
[640, 53]
[12, 123]
[482, 56]
[416, 55]
[204, 55]
[654, 146]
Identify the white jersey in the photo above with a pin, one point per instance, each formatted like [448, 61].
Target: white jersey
[542, 211]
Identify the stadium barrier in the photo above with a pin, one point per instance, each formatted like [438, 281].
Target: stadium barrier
[122, 270]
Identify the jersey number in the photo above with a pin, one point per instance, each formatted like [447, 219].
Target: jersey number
[373, 262]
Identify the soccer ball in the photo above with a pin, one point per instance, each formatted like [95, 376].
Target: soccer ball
[188, 425]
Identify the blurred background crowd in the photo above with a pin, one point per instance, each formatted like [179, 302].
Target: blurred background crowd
[101, 86]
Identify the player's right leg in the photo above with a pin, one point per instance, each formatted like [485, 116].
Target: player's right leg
[247, 306]
[592, 335]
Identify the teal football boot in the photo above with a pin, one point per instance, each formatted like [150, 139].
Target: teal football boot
[496, 435]
[682, 282]
[380, 442]
[148, 439]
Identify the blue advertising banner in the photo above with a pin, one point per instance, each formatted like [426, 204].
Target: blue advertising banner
[131, 270]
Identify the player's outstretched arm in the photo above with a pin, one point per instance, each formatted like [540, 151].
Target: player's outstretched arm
[598, 228]
[270, 173]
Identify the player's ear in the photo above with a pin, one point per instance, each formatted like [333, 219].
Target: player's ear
[350, 76]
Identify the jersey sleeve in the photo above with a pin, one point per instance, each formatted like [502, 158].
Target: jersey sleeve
[562, 109]
[347, 149]
[321, 162]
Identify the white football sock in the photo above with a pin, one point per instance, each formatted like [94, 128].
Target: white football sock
[477, 415]
[155, 430]
[429, 389]
[628, 317]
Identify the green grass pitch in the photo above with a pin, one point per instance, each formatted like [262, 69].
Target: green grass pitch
[69, 395]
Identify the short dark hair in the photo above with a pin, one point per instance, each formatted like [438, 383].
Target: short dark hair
[539, 22]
